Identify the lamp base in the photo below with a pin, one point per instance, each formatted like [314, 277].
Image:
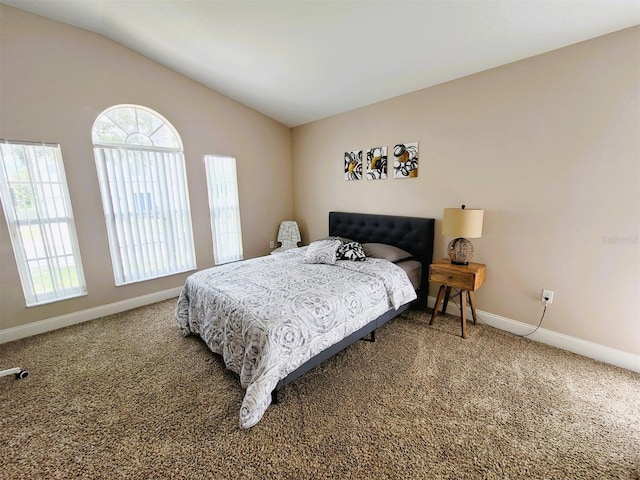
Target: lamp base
[460, 251]
[453, 262]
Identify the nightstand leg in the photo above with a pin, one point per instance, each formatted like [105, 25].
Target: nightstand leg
[472, 302]
[463, 314]
[447, 294]
[438, 300]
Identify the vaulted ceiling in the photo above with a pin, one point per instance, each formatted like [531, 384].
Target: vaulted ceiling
[299, 61]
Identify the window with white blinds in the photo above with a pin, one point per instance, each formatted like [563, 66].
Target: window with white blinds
[143, 185]
[224, 207]
[35, 197]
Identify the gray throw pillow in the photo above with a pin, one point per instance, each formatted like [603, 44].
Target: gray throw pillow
[387, 252]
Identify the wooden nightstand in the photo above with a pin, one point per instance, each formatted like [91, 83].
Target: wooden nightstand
[466, 278]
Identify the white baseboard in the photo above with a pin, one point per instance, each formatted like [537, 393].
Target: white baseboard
[549, 337]
[54, 323]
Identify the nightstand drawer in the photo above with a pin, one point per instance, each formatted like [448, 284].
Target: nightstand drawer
[459, 280]
[464, 277]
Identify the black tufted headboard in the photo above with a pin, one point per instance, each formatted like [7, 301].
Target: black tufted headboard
[413, 234]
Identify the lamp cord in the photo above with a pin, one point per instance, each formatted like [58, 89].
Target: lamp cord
[539, 323]
[459, 293]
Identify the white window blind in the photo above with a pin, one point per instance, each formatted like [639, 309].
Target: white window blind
[144, 193]
[224, 207]
[37, 207]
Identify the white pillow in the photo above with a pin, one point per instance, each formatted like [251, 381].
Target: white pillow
[322, 251]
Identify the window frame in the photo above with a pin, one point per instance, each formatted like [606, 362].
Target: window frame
[226, 232]
[52, 206]
[162, 234]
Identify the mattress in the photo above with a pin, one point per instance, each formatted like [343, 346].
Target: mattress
[267, 316]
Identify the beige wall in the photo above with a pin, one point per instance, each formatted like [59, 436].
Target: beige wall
[56, 79]
[549, 147]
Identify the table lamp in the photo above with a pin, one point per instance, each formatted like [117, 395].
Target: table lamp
[288, 235]
[461, 223]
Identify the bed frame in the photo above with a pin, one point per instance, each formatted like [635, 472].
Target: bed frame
[412, 234]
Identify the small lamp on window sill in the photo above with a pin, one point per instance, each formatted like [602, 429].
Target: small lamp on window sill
[462, 223]
[288, 235]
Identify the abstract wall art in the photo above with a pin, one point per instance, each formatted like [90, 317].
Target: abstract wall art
[405, 160]
[353, 165]
[377, 163]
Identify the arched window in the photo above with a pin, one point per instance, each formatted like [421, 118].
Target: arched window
[141, 171]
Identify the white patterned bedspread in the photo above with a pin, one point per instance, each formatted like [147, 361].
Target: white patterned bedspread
[267, 316]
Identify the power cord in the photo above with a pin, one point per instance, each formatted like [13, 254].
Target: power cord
[546, 299]
[539, 323]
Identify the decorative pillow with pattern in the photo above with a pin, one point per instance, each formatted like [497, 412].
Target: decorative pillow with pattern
[322, 251]
[351, 251]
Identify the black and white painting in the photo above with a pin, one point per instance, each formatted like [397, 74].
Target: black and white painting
[377, 163]
[353, 165]
[405, 160]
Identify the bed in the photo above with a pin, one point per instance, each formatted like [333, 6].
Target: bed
[274, 318]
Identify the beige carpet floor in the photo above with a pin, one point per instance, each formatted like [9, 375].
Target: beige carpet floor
[127, 396]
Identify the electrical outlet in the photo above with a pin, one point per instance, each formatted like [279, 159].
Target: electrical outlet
[272, 244]
[547, 296]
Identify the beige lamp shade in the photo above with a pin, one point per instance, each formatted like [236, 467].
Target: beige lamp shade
[462, 222]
